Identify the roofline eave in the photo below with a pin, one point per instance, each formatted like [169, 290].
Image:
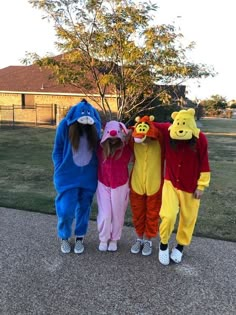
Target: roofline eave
[56, 93]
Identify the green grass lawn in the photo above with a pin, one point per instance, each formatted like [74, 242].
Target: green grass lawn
[26, 175]
[26, 168]
[220, 125]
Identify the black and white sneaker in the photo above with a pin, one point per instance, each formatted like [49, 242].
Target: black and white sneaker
[137, 247]
[79, 246]
[147, 248]
[65, 247]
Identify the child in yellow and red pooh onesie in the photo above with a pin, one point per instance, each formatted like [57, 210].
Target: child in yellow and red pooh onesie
[146, 183]
[187, 173]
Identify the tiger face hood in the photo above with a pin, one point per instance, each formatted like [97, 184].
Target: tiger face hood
[144, 128]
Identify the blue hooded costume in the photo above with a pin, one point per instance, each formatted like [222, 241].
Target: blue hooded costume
[75, 171]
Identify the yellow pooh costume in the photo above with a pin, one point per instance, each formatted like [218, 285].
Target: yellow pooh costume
[187, 174]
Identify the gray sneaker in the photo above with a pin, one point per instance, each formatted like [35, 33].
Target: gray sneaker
[79, 246]
[147, 248]
[136, 248]
[65, 247]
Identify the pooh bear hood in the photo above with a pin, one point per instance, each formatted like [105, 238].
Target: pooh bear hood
[114, 129]
[144, 128]
[184, 126]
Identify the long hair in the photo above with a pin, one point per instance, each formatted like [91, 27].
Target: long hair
[77, 130]
[109, 149]
[192, 143]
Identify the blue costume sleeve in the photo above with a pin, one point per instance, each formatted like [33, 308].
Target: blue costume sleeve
[57, 154]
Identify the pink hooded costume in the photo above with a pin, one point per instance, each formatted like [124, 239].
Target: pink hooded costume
[113, 184]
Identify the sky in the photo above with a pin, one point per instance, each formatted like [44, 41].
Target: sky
[209, 23]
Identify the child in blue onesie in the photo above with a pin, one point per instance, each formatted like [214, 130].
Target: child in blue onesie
[75, 172]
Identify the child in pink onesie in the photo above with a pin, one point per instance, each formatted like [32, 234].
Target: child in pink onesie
[114, 155]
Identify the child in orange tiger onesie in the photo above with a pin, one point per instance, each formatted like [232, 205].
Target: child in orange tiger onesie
[146, 183]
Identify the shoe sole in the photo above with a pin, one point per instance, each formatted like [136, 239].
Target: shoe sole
[65, 252]
[135, 252]
[102, 249]
[78, 252]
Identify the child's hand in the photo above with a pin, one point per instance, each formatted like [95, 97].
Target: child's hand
[197, 194]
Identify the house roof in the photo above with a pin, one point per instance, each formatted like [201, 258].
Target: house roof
[33, 79]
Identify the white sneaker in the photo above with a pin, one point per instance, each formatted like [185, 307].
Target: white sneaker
[102, 247]
[147, 248]
[164, 256]
[176, 255]
[65, 247]
[79, 246]
[136, 248]
[112, 246]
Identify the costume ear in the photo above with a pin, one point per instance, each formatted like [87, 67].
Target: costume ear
[191, 111]
[96, 115]
[151, 118]
[123, 127]
[173, 115]
[137, 119]
[70, 114]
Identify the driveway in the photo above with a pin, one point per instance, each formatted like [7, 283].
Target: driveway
[35, 278]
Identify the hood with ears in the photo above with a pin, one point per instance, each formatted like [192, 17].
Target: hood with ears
[114, 129]
[184, 126]
[144, 128]
[85, 114]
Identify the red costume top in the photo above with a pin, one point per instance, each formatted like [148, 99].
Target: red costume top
[113, 171]
[185, 163]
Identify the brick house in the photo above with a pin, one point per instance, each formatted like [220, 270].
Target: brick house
[29, 94]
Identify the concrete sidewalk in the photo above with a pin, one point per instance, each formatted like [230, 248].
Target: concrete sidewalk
[35, 278]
